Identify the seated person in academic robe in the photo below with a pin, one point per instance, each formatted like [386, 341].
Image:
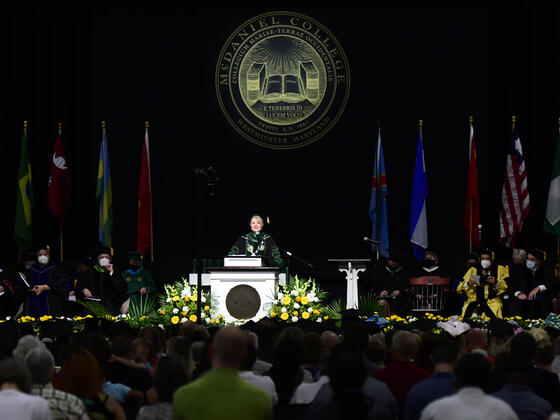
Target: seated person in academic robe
[258, 244]
[138, 280]
[46, 294]
[540, 284]
[103, 282]
[390, 282]
[427, 266]
[483, 287]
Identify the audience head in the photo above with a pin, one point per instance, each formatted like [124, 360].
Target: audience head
[80, 373]
[404, 345]
[13, 373]
[180, 347]
[476, 339]
[40, 364]
[330, 339]
[346, 368]
[229, 347]
[523, 345]
[170, 375]
[445, 353]
[25, 345]
[357, 335]
[473, 370]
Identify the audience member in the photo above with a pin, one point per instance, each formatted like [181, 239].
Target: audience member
[518, 394]
[440, 384]
[40, 364]
[170, 374]
[237, 398]
[263, 382]
[15, 385]
[472, 376]
[402, 373]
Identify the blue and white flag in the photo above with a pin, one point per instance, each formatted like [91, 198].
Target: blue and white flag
[378, 201]
[418, 222]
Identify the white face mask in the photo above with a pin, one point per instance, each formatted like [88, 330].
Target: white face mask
[485, 263]
[104, 262]
[43, 259]
[530, 264]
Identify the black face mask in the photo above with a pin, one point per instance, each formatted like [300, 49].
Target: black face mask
[428, 263]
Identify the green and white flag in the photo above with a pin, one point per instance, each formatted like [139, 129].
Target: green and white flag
[552, 219]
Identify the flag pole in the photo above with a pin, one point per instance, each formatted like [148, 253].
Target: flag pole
[147, 124]
[60, 227]
[25, 134]
[470, 196]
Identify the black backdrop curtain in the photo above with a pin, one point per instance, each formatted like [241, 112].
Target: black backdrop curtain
[125, 62]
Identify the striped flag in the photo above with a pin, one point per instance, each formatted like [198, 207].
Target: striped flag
[515, 193]
[24, 199]
[418, 219]
[471, 218]
[104, 193]
[378, 201]
[144, 228]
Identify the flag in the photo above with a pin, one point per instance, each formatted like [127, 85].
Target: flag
[515, 193]
[471, 219]
[552, 219]
[144, 231]
[378, 201]
[418, 222]
[104, 194]
[24, 199]
[58, 195]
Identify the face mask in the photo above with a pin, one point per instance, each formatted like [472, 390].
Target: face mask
[428, 263]
[485, 263]
[530, 264]
[43, 259]
[104, 262]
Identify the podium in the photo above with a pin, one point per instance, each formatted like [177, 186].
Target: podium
[352, 267]
[241, 292]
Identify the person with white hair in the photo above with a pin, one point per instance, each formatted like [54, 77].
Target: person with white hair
[40, 363]
[258, 244]
[15, 401]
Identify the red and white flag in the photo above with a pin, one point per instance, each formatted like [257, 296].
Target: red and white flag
[144, 232]
[58, 195]
[515, 194]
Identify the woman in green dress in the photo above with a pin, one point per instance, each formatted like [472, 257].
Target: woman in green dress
[258, 244]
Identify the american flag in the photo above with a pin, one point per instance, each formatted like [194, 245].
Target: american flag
[515, 194]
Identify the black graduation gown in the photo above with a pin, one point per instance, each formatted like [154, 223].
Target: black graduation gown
[102, 285]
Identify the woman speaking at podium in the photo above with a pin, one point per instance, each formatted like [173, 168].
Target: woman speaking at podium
[258, 244]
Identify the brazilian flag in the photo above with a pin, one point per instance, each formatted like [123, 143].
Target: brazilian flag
[104, 193]
[24, 199]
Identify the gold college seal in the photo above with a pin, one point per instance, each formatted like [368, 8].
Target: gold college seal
[282, 80]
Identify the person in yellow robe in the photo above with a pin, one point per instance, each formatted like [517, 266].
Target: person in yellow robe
[484, 285]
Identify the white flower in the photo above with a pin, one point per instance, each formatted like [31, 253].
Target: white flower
[310, 310]
[175, 310]
[280, 295]
[185, 309]
[283, 310]
[319, 319]
[296, 305]
[183, 319]
[294, 293]
[168, 300]
[295, 319]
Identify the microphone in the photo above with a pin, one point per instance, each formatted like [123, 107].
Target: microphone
[366, 239]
